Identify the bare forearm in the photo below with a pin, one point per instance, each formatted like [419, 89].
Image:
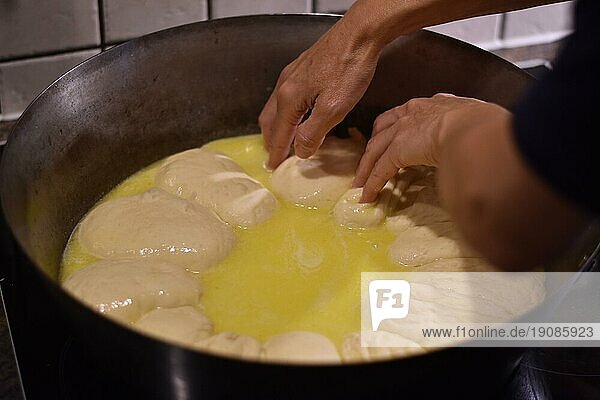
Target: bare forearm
[500, 205]
[383, 21]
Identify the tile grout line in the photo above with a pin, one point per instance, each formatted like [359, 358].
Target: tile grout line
[101, 25]
[49, 54]
[502, 27]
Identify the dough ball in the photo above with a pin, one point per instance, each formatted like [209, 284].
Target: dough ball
[126, 289]
[300, 347]
[425, 210]
[457, 265]
[423, 244]
[320, 180]
[231, 344]
[204, 162]
[217, 182]
[348, 211]
[184, 325]
[156, 225]
[389, 345]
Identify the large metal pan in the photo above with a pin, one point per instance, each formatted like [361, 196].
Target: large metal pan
[180, 88]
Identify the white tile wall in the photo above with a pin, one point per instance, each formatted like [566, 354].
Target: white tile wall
[229, 8]
[126, 19]
[481, 31]
[538, 25]
[333, 6]
[33, 26]
[21, 81]
[30, 28]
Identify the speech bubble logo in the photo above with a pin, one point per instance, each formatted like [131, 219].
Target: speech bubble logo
[388, 299]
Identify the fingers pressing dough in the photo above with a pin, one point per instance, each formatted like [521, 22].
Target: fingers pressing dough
[348, 211]
[156, 225]
[320, 180]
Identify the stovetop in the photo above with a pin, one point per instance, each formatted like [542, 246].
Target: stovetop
[52, 365]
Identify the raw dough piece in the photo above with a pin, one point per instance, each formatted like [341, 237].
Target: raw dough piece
[319, 181]
[425, 210]
[457, 265]
[231, 344]
[126, 289]
[183, 325]
[442, 300]
[423, 244]
[217, 182]
[348, 211]
[396, 347]
[300, 347]
[156, 225]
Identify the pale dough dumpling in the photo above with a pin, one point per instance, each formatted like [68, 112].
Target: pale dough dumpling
[425, 210]
[319, 181]
[423, 244]
[231, 344]
[126, 289]
[348, 211]
[380, 345]
[457, 265]
[184, 325]
[156, 225]
[300, 347]
[440, 300]
[217, 182]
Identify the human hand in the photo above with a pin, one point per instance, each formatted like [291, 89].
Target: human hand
[414, 134]
[328, 80]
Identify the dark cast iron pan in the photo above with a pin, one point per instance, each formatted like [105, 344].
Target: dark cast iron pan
[180, 88]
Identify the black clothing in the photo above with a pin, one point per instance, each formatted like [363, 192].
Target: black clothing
[557, 123]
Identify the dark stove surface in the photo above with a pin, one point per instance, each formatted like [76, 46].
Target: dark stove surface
[10, 382]
[52, 364]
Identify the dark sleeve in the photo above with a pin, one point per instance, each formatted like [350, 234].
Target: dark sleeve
[557, 123]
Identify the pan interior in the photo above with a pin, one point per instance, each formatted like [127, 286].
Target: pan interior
[180, 88]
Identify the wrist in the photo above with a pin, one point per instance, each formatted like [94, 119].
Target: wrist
[373, 23]
[479, 117]
[379, 22]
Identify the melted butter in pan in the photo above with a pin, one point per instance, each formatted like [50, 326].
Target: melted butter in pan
[297, 271]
